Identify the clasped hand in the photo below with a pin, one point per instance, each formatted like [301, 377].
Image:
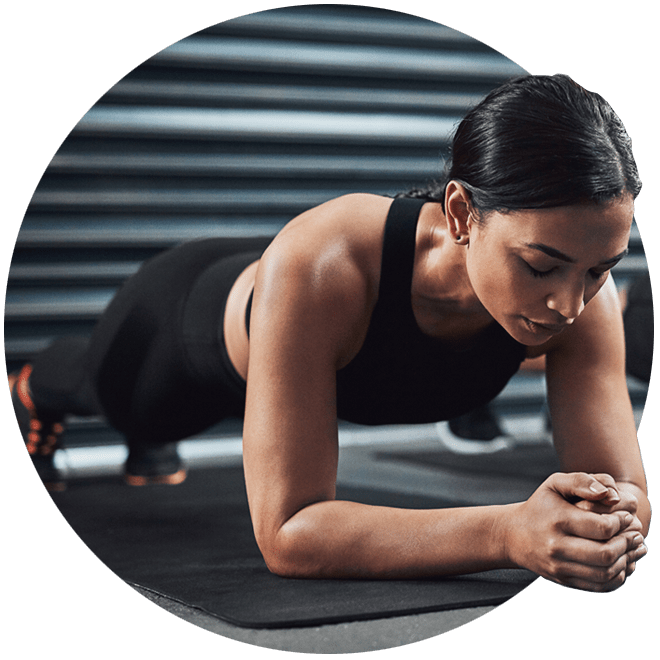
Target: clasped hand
[578, 530]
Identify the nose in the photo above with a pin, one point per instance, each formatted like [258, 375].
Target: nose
[567, 301]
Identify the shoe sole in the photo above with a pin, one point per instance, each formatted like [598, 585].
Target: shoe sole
[157, 479]
[471, 447]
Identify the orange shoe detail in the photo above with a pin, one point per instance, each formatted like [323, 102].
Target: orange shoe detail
[23, 388]
[20, 384]
[32, 444]
[161, 479]
[41, 440]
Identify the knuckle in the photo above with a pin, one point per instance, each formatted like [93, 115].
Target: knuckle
[608, 525]
[555, 568]
[605, 479]
[584, 479]
[608, 555]
[604, 575]
[638, 553]
[551, 567]
[613, 572]
[603, 528]
[553, 549]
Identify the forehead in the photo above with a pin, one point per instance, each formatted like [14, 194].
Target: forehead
[575, 230]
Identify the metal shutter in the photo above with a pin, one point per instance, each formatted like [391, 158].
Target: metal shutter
[232, 132]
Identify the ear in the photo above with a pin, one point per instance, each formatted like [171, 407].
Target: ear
[458, 212]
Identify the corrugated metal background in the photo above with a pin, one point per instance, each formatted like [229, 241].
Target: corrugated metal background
[232, 132]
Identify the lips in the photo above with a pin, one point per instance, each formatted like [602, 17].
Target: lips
[553, 328]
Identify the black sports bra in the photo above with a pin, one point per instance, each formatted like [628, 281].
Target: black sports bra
[401, 375]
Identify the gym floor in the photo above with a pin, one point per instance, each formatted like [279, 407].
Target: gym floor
[360, 465]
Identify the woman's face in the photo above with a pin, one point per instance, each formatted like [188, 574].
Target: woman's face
[535, 270]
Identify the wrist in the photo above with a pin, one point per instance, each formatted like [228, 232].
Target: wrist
[505, 529]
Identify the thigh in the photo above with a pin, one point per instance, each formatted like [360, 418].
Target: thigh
[137, 358]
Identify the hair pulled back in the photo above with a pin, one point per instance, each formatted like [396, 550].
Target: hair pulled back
[539, 142]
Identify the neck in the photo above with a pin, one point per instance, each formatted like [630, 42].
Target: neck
[440, 276]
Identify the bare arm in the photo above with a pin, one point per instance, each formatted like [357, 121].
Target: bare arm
[308, 320]
[593, 424]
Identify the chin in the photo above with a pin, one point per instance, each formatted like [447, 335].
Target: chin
[530, 341]
[523, 337]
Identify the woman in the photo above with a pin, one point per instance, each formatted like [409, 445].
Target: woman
[381, 311]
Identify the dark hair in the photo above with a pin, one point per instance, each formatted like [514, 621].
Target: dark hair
[539, 142]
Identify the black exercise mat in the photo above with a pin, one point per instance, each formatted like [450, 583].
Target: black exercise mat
[532, 462]
[194, 543]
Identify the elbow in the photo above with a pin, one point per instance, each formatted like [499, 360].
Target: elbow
[282, 564]
[292, 552]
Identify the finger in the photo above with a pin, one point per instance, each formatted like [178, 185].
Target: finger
[595, 554]
[612, 498]
[592, 578]
[636, 552]
[606, 479]
[578, 485]
[601, 507]
[588, 585]
[625, 502]
[613, 495]
[634, 556]
[629, 521]
[596, 565]
[595, 526]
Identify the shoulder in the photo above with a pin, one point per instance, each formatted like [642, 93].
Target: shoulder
[339, 236]
[322, 270]
[352, 218]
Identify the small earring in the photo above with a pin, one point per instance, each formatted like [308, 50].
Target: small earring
[461, 240]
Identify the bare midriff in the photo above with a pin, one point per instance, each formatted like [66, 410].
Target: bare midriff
[235, 332]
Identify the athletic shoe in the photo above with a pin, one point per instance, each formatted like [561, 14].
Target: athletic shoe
[459, 445]
[476, 432]
[159, 464]
[478, 424]
[42, 436]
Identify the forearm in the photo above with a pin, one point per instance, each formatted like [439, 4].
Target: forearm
[338, 539]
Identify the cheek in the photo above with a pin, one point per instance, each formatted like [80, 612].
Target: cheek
[497, 284]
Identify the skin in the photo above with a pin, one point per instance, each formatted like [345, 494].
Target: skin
[314, 291]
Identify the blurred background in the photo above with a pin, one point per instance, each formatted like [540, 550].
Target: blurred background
[232, 132]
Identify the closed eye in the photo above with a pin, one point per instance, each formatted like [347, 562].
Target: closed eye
[595, 274]
[539, 273]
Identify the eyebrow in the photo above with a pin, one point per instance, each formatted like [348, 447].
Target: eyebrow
[556, 254]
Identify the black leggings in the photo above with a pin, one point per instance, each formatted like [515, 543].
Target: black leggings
[156, 364]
